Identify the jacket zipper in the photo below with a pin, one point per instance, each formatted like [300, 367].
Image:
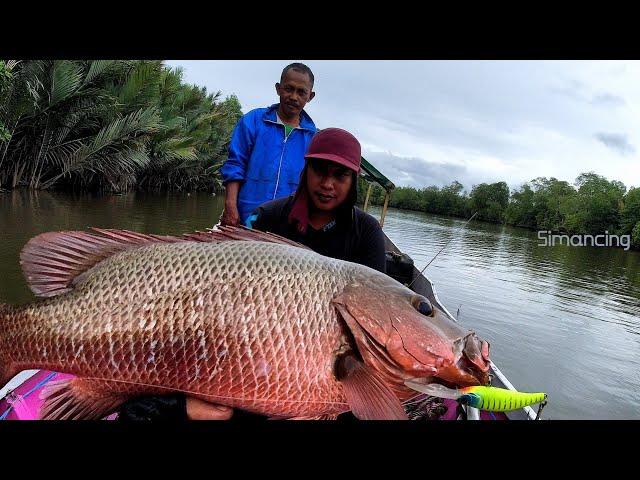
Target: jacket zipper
[281, 153]
[280, 165]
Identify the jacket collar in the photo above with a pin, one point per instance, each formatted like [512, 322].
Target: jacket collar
[305, 120]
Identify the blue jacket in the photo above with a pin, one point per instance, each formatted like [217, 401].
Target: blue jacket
[267, 163]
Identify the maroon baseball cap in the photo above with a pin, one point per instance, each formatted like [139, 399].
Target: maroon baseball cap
[336, 145]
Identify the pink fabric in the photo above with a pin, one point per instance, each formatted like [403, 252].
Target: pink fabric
[299, 214]
[24, 402]
[452, 414]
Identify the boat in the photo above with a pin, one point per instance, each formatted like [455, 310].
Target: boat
[423, 286]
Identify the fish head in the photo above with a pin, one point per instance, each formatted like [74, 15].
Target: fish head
[407, 336]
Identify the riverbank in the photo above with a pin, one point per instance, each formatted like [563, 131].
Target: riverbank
[548, 237]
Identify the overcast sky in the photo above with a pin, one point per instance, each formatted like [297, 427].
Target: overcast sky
[431, 122]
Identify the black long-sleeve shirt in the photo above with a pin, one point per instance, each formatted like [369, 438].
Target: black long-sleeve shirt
[355, 238]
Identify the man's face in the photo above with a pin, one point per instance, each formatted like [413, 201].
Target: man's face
[294, 91]
[328, 183]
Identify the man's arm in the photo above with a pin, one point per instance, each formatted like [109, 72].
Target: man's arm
[234, 168]
[230, 215]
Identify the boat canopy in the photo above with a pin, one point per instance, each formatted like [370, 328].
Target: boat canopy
[372, 175]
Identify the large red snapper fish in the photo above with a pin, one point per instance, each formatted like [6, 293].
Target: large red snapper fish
[231, 316]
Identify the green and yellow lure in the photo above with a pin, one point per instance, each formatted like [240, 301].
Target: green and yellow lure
[490, 399]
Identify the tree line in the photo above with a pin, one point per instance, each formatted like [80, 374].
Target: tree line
[591, 205]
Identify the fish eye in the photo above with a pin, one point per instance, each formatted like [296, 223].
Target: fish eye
[424, 307]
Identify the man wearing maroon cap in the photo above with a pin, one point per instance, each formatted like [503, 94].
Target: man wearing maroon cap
[321, 214]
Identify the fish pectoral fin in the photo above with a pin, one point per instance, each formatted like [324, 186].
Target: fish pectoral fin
[367, 395]
[77, 399]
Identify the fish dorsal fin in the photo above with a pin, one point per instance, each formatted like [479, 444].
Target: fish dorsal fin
[226, 233]
[52, 261]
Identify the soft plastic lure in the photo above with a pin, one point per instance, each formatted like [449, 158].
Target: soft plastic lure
[490, 399]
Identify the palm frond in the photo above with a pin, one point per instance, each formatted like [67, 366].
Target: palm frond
[97, 68]
[140, 84]
[66, 78]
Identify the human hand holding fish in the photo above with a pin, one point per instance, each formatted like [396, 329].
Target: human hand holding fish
[201, 410]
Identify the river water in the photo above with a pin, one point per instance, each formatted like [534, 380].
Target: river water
[564, 320]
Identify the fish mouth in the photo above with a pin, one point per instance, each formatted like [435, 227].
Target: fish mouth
[467, 374]
[475, 358]
[471, 363]
[469, 369]
[478, 375]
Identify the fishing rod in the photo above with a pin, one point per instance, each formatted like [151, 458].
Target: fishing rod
[443, 247]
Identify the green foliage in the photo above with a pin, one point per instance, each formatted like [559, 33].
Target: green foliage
[595, 205]
[377, 193]
[490, 201]
[109, 125]
[551, 197]
[408, 198]
[630, 211]
[540, 204]
[5, 78]
[449, 200]
[521, 209]
[635, 236]
[595, 208]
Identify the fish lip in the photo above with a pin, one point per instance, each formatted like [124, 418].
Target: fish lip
[477, 366]
[465, 365]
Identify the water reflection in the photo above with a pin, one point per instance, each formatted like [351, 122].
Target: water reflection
[24, 214]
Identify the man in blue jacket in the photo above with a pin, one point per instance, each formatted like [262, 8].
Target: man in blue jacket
[266, 154]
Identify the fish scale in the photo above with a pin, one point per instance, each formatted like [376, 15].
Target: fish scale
[106, 329]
